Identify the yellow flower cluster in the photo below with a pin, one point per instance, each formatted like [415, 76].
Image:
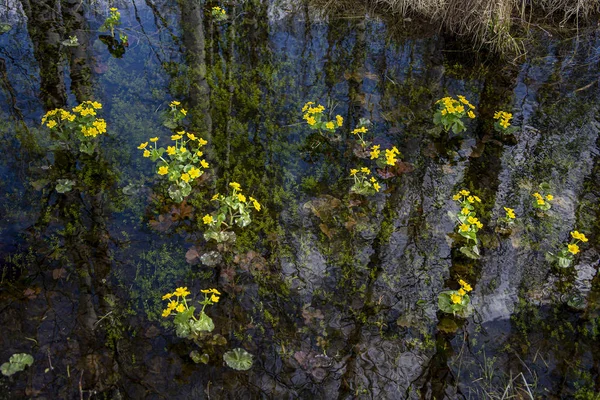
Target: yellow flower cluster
[468, 222]
[213, 293]
[467, 196]
[362, 181]
[88, 127]
[390, 154]
[313, 115]
[510, 213]
[579, 236]
[503, 118]
[456, 107]
[573, 248]
[179, 305]
[218, 11]
[179, 155]
[457, 297]
[541, 201]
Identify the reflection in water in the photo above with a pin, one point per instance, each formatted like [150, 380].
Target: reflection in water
[335, 294]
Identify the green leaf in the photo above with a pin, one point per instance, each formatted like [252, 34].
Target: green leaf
[205, 323]
[64, 185]
[18, 362]
[4, 27]
[199, 358]
[564, 262]
[238, 359]
[469, 252]
[185, 316]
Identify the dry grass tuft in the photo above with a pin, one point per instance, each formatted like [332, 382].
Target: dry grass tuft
[488, 23]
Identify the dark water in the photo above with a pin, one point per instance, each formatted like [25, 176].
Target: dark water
[333, 293]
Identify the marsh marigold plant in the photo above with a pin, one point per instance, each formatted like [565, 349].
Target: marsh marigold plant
[181, 162]
[187, 323]
[450, 113]
[456, 301]
[467, 222]
[314, 115]
[565, 257]
[80, 124]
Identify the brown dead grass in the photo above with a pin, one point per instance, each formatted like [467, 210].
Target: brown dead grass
[488, 23]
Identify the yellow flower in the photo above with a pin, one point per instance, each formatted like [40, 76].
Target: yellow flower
[549, 197]
[479, 224]
[573, 248]
[329, 125]
[215, 197]
[365, 170]
[373, 180]
[465, 285]
[166, 312]
[194, 173]
[579, 236]
[185, 177]
[51, 124]
[465, 211]
[199, 154]
[497, 114]
[472, 220]
[183, 111]
[207, 219]
[241, 198]
[541, 202]
[362, 129]
[353, 171]
[182, 149]
[180, 308]
[172, 305]
[171, 150]
[457, 196]
[256, 204]
[470, 199]
[307, 106]
[537, 195]
[143, 145]
[510, 213]
[167, 296]
[192, 136]
[174, 103]
[181, 292]
[96, 105]
[471, 114]
[456, 298]
[464, 227]
[154, 139]
[146, 153]
[214, 299]
[175, 137]
[465, 192]
[204, 164]
[477, 199]
[163, 170]
[202, 142]
[339, 119]
[376, 186]
[235, 186]
[375, 152]
[461, 291]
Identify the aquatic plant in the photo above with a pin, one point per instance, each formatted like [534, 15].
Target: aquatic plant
[238, 359]
[566, 256]
[456, 301]
[17, 362]
[80, 124]
[234, 209]
[184, 162]
[542, 201]
[361, 130]
[187, 325]
[315, 118]
[218, 13]
[502, 123]
[112, 21]
[468, 224]
[362, 183]
[174, 115]
[450, 113]
[509, 218]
